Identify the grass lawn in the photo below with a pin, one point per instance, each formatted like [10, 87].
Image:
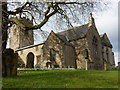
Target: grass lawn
[63, 79]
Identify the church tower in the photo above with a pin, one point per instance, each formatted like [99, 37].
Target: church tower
[21, 38]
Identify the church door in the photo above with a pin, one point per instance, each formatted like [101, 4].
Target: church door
[30, 60]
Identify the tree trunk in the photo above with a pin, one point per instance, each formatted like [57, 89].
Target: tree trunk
[4, 35]
[4, 25]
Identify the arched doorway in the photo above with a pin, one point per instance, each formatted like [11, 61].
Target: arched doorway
[30, 60]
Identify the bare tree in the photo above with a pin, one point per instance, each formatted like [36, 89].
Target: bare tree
[63, 13]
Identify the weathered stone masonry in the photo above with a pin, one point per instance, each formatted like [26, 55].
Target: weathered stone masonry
[80, 47]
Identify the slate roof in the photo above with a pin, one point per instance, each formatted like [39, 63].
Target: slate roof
[105, 40]
[73, 33]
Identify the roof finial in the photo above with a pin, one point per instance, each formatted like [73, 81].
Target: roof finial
[91, 20]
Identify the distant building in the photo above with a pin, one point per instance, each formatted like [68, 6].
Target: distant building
[80, 47]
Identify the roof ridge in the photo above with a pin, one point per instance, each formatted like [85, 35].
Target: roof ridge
[72, 28]
[29, 46]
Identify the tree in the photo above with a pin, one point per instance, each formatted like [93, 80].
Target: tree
[41, 12]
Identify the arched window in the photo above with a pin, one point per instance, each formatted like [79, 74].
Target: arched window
[86, 54]
[95, 46]
[52, 55]
[107, 53]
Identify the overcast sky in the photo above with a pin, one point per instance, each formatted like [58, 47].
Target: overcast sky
[107, 22]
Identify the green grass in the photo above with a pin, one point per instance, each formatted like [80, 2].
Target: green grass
[63, 79]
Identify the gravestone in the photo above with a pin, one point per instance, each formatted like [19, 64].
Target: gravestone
[9, 63]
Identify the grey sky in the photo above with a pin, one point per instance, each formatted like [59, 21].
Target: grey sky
[107, 22]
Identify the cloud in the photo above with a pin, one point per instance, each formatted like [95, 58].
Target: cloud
[116, 58]
[107, 22]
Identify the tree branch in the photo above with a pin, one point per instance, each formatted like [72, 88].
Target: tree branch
[68, 3]
[43, 22]
[16, 20]
[19, 10]
[53, 8]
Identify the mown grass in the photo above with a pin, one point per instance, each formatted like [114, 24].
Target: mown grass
[63, 79]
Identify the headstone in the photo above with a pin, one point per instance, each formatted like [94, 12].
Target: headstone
[9, 63]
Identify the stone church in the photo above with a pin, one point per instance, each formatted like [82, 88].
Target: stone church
[79, 47]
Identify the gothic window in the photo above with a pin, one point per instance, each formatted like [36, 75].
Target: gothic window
[52, 55]
[86, 54]
[95, 44]
[107, 54]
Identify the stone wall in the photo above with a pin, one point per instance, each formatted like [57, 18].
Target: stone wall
[108, 57]
[26, 38]
[36, 50]
[86, 58]
[14, 37]
[53, 43]
[95, 56]
[69, 56]
[80, 47]
[20, 38]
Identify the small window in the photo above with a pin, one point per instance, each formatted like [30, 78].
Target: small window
[86, 54]
[52, 55]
